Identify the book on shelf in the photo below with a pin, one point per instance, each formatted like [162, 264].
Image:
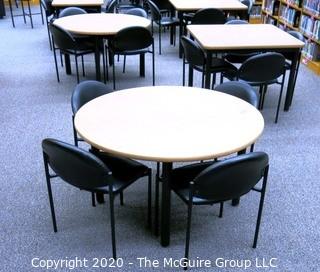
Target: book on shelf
[316, 31]
[289, 15]
[306, 25]
[312, 6]
[311, 51]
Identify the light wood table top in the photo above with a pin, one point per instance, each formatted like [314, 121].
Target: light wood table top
[77, 3]
[103, 24]
[169, 123]
[185, 5]
[248, 36]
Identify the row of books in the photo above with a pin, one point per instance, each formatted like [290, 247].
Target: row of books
[294, 2]
[312, 51]
[289, 15]
[271, 6]
[316, 30]
[313, 6]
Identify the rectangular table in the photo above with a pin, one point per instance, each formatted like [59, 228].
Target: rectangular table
[85, 4]
[183, 6]
[247, 38]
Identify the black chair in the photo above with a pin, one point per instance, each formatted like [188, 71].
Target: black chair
[82, 94]
[238, 57]
[208, 16]
[49, 15]
[69, 11]
[125, 7]
[200, 184]
[249, 4]
[67, 44]
[240, 90]
[261, 70]
[162, 22]
[132, 41]
[87, 172]
[195, 57]
[111, 6]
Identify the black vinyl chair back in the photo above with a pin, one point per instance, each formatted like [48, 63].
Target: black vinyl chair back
[76, 166]
[262, 67]
[85, 92]
[111, 6]
[46, 5]
[209, 16]
[132, 38]
[154, 11]
[236, 22]
[192, 52]
[248, 3]
[71, 11]
[62, 38]
[231, 178]
[137, 12]
[241, 90]
[297, 35]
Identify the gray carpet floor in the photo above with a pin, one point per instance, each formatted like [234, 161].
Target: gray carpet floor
[34, 106]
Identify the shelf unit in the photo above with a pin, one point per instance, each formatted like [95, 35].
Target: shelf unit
[255, 14]
[299, 15]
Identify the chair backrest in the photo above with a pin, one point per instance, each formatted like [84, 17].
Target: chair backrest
[248, 3]
[297, 35]
[154, 11]
[236, 22]
[137, 12]
[76, 166]
[241, 90]
[209, 16]
[231, 178]
[62, 38]
[262, 67]
[71, 11]
[111, 6]
[192, 52]
[85, 92]
[46, 5]
[132, 38]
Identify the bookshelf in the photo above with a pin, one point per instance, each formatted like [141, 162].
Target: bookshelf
[255, 14]
[299, 15]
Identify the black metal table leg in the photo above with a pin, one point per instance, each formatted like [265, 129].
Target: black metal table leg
[97, 58]
[142, 65]
[165, 204]
[207, 72]
[180, 17]
[291, 80]
[67, 64]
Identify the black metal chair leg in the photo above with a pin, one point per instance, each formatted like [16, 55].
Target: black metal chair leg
[112, 221]
[121, 198]
[82, 60]
[153, 66]
[11, 13]
[30, 14]
[156, 216]
[221, 210]
[280, 96]
[186, 252]
[149, 218]
[55, 61]
[75, 138]
[183, 70]
[53, 215]
[124, 64]
[113, 73]
[263, 191]
[159, 40]
[77, 69]
[93, 200]
[23, 12]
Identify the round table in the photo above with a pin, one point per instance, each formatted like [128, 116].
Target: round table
[99, 25]
[169, 124]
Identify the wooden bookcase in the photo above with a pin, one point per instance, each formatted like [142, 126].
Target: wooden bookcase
[300, 15]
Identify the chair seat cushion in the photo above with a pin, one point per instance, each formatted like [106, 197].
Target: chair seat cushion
[167, 21]
[123, 169]
[238, 58]
[218, 65]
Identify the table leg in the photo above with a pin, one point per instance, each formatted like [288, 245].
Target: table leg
[165, 204]
[180, 17]
[67, 64]
[142, 65]
[207, 74]
[97, 58]
[290, 88]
